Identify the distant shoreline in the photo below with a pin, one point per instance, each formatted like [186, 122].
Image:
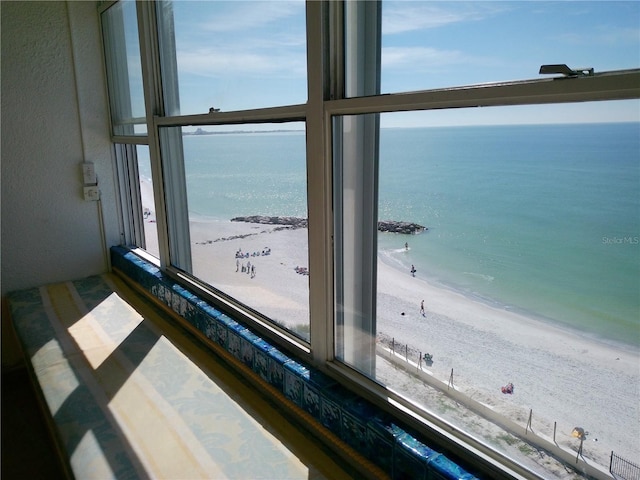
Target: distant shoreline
[631, 348]
[200, 132]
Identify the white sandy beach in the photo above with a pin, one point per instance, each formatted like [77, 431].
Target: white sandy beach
[563, 377]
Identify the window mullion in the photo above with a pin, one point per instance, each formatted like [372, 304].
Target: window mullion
[618, 85]
[356, 166]
[318, 187]
[173, 229]
[289, 113]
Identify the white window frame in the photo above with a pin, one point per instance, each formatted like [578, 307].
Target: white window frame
[326, 103]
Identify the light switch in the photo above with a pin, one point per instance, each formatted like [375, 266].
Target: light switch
[91, 194]
[89, 173]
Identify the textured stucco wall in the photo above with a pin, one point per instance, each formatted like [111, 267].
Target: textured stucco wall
[49, 233]
[54, 117]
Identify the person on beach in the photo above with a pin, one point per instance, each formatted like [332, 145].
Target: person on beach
[422, 307]
[406, 245]
[413, 271]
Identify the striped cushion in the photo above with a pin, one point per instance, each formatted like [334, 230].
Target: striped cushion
[127, 402]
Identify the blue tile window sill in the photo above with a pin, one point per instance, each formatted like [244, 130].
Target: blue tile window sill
[366, 428]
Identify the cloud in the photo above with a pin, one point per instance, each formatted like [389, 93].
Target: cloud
[245, 16]
[400, 17]
[230, 63]
[242, 38]
[422, 58]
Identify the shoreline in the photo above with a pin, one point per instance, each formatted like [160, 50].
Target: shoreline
[523, 313]
[486, 346]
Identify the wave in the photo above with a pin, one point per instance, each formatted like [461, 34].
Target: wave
[483, 276]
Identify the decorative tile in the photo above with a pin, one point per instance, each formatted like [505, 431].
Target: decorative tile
[234, 340]
[380, 439]
[314, 383]
[247, 347]
[212, 312]
[380, 448]
[222, 333]
[359, 407]
[209, 327]
[353, 430]
[427, 457]
[261, 358]
[293, 381]
[406, 465]
[277, 361]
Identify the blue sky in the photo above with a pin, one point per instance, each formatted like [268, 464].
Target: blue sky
[245, 54]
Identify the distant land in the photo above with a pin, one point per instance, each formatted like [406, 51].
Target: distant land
[200, 131]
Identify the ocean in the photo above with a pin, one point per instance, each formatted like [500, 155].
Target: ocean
[539, 219]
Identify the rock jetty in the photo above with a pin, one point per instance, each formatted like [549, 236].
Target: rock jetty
[390, 226]
[406, 228]
[292, 222]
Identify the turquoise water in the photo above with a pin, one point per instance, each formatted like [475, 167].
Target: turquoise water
[541, 219]
[544, 219]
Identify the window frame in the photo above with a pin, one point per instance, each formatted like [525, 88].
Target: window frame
[326, 102]
[616, 85]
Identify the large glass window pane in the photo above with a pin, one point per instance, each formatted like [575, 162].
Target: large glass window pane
[246, 201]
[124, 71]
[429, 44]
[147, 201]
[233, 55]
[506, 255]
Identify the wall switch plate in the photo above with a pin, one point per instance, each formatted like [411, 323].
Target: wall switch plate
[89, 173]
[91, 194]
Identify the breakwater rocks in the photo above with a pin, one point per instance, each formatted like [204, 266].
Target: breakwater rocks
[390, 226]
[284, 222]
[400, 227]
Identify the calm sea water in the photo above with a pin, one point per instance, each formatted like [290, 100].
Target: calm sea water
[544, 219]
[541, 219]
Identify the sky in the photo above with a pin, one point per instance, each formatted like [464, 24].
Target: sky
[252, 54]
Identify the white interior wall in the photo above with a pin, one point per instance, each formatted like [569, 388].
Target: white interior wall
[49, 127]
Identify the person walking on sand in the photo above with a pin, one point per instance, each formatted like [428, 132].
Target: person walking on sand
[422, 307]
[413, 271]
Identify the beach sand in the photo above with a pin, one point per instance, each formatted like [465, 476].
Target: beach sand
[559, 375]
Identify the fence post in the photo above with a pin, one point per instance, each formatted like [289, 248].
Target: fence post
[529, 422]
[450, 384]
[406, 353]
[579, 449]
[554, 432]
[611, 463]
[393, 345]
